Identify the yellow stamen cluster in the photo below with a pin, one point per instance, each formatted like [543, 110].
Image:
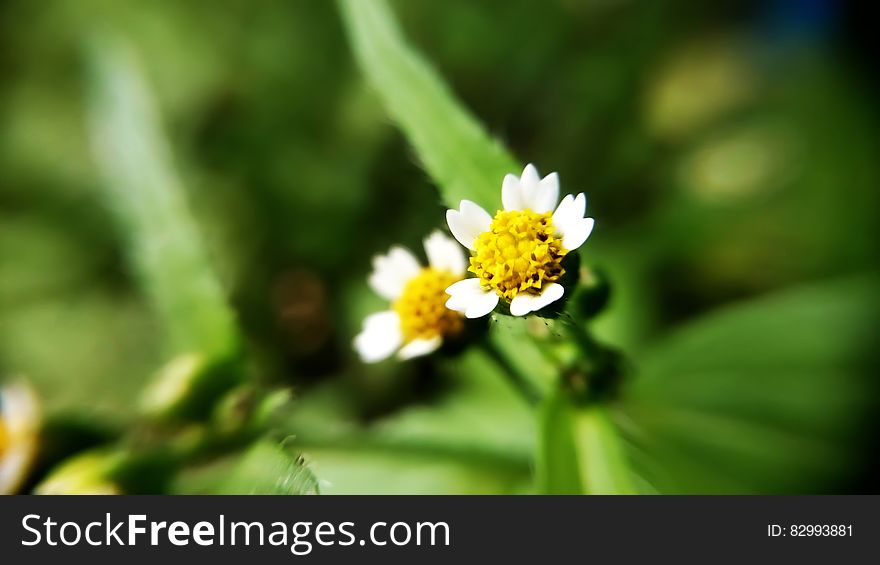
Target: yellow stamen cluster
[519, 253]
[422, 307]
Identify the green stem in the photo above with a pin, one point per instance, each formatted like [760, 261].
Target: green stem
[517, 380]
[546, 351]
[588, 345]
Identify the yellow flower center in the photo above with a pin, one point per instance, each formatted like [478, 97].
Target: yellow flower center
[519, 253]
[422, 306]
[5, 439]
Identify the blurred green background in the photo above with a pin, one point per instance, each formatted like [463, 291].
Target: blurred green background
[728, 150]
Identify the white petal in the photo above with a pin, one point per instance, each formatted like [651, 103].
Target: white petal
[15, 464]
[392, 271]
[564, 210]
[524, 303]
[461, 293]
[380, 337]
[528, 185]
[577, 233]
[549, 294]
[20, 409]
[444, 254]
[569, 222]
[547, 195]
[539, 195]
[470, 298]
[530, 177]
[482, 305]
[511, 194]
[419, 347]
[569, 209]
[468, 222]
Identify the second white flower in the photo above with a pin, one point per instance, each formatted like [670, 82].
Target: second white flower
[517, 255]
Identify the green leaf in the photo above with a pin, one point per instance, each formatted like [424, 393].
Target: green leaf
[150, 204]
[557, 469]
[453, 147]
[604, 467]
[371, 470]
[768, 396]
[270, 468]
[579, 451]
[477, 439]
[47, 339]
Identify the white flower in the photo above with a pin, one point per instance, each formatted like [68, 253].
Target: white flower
[19, 430]
[517, 255]
[418, 319]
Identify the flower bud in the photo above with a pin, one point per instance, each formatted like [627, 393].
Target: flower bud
[187, 387]
[87, 473]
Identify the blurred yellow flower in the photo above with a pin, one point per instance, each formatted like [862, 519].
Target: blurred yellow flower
[19, 432]
[418, 320]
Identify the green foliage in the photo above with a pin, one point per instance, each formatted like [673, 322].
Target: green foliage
[605, 468]
[58, 340]
[150, 203]
[477, 437]
[466, 163]
[557, 464]
[270, 177]
[453, 147]
[270, 468]
[767, 396]
[580, 451]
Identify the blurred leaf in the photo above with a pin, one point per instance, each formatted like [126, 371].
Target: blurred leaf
[604, 467]
[89, 350]
[349, 470]
[557, 469]
[454, 148]
[27, 246]
[147, 196]
[579, 451]
[270, 468]
[767, 396]
[477, 438]
[89, 472]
